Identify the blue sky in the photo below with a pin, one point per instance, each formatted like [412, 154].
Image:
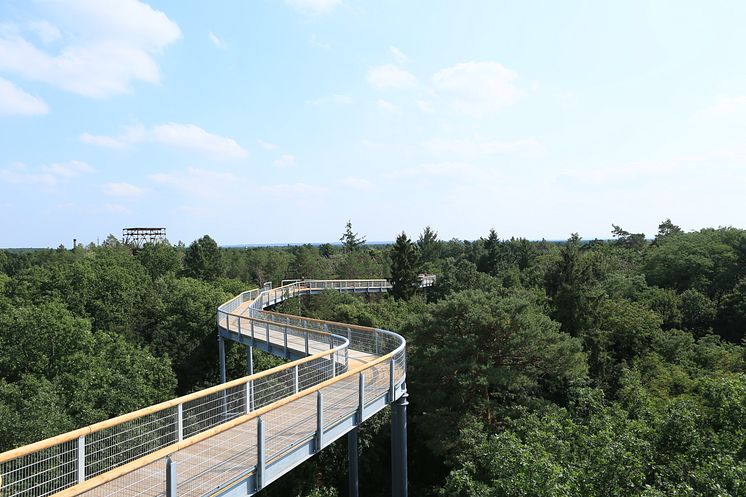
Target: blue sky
[275, 121]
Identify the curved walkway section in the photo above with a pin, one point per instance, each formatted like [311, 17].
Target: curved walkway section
[235, 438]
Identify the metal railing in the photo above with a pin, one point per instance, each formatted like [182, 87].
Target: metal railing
[291, 404]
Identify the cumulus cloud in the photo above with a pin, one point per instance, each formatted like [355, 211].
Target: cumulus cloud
[725, 106]
[331, 99]
[291, 189]
[387, 106]
[390, 76]
[111, 44]
[399, 56]
[473, 147]
[285, 160]
[266, 145]
[217, 41]
[122, 190]
[176, 135]
[14, 101]
[47, 175]
[353, 183]
[477, 87]
[313, 6]
[193, 137]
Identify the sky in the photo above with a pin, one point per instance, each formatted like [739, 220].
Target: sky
[276, 121]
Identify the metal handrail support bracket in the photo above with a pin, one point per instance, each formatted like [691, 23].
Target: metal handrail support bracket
[171, 482]
[261, 456]
[319, 421]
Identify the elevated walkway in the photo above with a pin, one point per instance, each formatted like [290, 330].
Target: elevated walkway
[235, 438]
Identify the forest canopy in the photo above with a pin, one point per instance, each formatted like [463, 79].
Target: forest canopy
[577, 368]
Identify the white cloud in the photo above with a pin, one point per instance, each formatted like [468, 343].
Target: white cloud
[725, 106]
[48, 175]
[291, 189]
[112, 43]
[331, 99]
[425, 105]
[45, 30]
[399, 56]
[14, 101]
[193, 137]
[359, 184]
[389, 76]
[315, 42]
[479, 147]
[285, 160]
[449, 171]
[122, 190]
[68, 169]
[116, 209]
[387, 106]
[217, 41]
[313, 6]
[176, 135]
[266, 145]
[478, 87]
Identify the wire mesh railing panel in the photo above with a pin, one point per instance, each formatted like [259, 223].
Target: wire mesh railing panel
[148, 481]
[289, 425]
[313, 372]
[271, 388]
[124, 442]
[41, 473]
[204, 466]
[376, 381]
[214, 409]
[340, 400]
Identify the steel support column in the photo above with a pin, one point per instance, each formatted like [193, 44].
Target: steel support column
[221, 352]
[399, 447]
[352, 463]
[250, 360]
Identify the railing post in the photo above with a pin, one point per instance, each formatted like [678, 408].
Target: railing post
[319, 420]
[221, 353]
[266, 325]
[392, 384]
[239, 326]
[81, 459]
[260, 453]
[295, 379]
[285, 341]
[333, 357]
[361, 398]
[306, 342]
[171, 482]
[377, 349]
[180, 422]
[250, 360]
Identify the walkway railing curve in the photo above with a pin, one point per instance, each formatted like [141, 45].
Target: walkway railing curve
[210, 433]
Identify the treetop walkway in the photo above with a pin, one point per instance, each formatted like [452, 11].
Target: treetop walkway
[235, 438]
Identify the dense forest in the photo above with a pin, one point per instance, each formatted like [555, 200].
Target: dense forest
[581, 368]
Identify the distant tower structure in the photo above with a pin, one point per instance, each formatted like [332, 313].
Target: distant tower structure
[137, 237]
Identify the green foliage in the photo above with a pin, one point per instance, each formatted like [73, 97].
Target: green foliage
[203, 259]
[351, 241]
[159, 259]
[404, 268]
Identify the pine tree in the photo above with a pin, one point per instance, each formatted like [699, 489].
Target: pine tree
[404, 268]
[351, 241]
